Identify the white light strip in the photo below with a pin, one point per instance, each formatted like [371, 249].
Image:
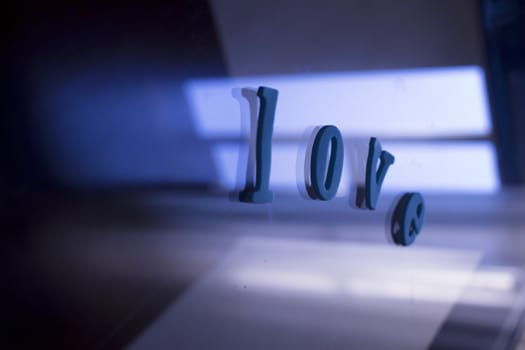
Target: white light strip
[290, 281]
[468, 167]
[429, 102]
[494, 288]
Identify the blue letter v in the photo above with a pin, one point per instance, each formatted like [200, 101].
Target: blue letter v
[375, 175]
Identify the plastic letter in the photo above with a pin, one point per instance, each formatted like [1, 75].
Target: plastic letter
[374, 178]
[326, 188]
[408, 218]
[260, 193]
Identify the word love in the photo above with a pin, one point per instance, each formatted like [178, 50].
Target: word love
[326, 167]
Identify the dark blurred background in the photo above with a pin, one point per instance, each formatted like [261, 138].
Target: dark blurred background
[99, 146]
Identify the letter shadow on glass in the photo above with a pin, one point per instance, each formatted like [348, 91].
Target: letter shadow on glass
[304, 159]
[356, 150]
[245, 175]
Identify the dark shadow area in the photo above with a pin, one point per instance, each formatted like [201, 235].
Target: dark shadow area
[102, 87]
[93, 102]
